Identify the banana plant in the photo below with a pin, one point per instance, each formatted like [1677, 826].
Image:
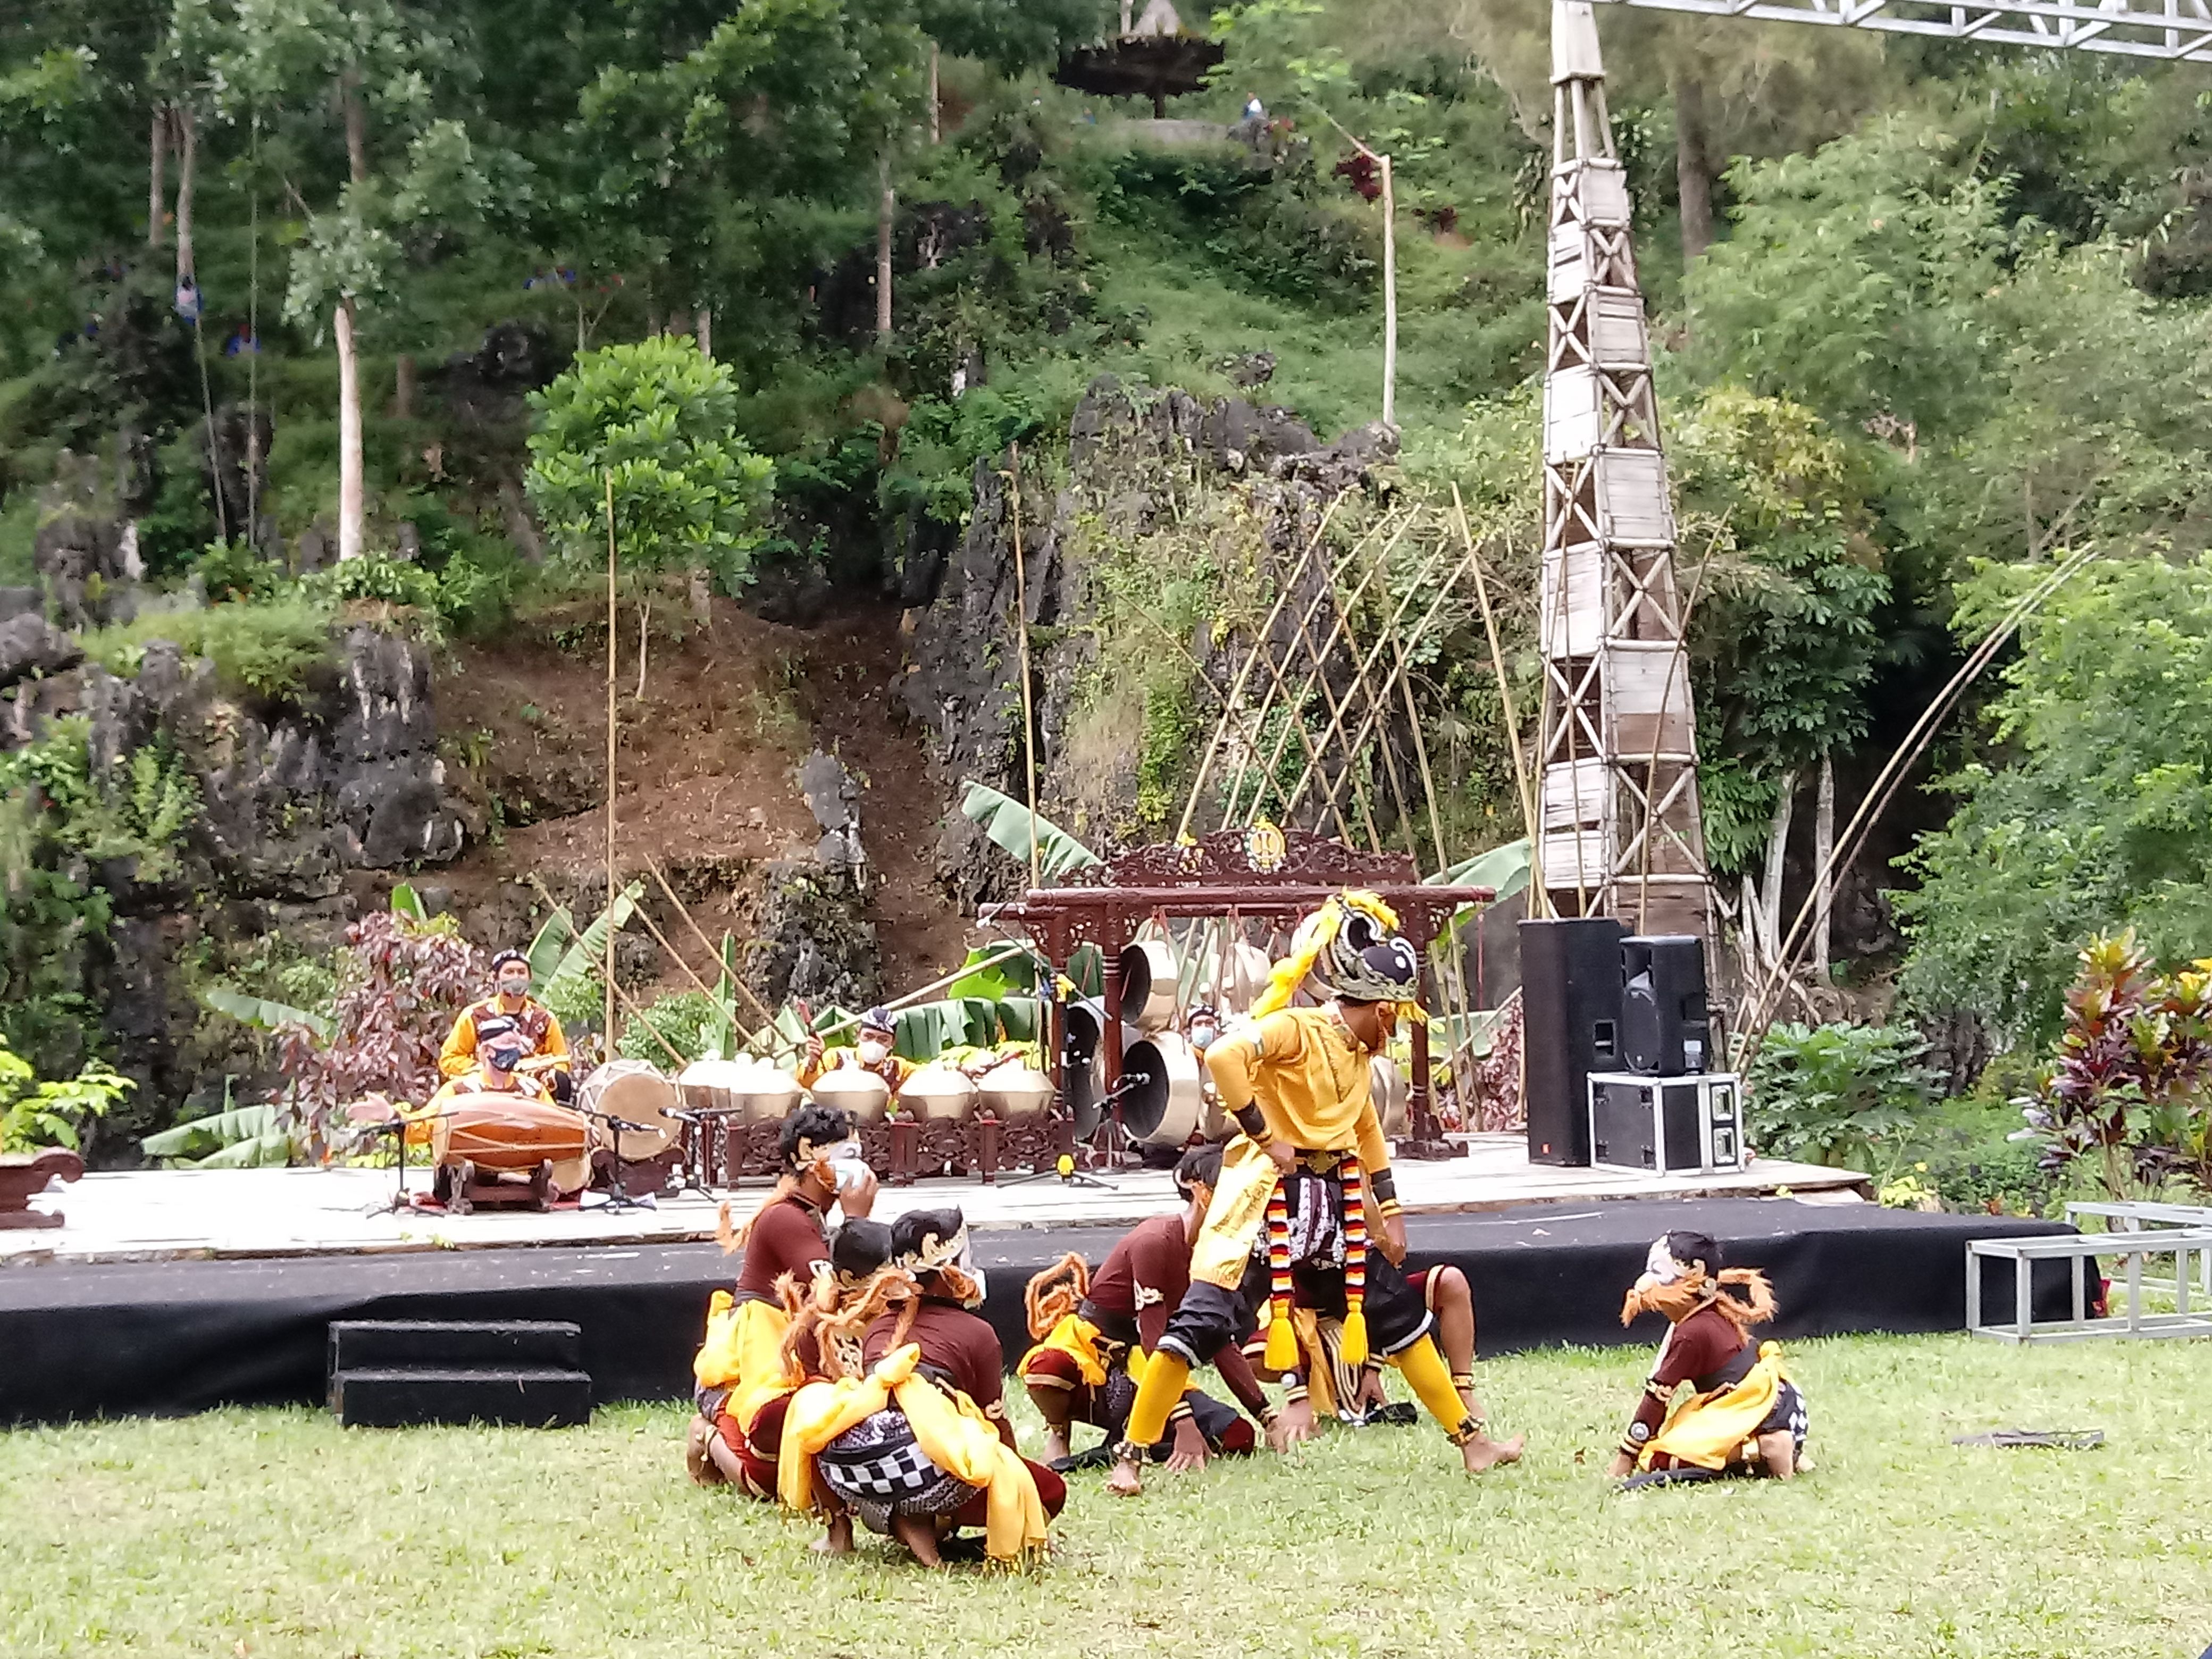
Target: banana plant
[562, 960]
[1012, 825]
[235, 1138]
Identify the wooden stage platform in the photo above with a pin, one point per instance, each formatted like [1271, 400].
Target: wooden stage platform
[186, 1215]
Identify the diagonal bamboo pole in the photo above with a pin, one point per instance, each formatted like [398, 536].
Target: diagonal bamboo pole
[1266, 703]
[1282, 740]
[1244, 673]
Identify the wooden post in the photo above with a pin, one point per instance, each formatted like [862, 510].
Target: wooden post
[936, 130]
[607, 1041]
[1389, 300]
[1824, 878]
[887, 206]
[1022, 630]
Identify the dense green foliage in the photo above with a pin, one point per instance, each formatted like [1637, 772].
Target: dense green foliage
[1849, 1095]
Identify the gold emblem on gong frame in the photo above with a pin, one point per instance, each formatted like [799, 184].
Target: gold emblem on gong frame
[1264, 850]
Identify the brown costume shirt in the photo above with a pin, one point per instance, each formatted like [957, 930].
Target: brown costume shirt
[788, 1237]
[958, 1343]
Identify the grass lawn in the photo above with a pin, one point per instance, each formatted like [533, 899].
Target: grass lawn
[273, 1533]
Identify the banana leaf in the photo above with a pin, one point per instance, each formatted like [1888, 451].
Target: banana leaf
[239, 1138]
[406, 901]
[260, 1013]
[723, 1035]
[1008, 976]
[1479, 1030]
[1011, 824]
[585, 958]
[1506, 869]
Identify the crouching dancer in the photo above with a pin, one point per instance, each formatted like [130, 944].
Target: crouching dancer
[1744, 1415]
[743, 1374]
[917, 1444]
[1095, 1334]
[1310, 1147]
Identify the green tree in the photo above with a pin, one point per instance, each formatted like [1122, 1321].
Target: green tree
[657, 419]
[2102, 821]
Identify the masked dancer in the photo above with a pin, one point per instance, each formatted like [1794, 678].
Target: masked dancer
[1291, 1208]
[1743, 1414]
[1093, 1335]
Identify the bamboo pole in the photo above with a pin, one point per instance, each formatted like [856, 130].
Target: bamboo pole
[1336, 716]
[608, 1039]
[628, 1001]
[1282, 740]
[1243, 674]
[705, 944]
[1022, 628]
[1389, 300]
[1007, 954]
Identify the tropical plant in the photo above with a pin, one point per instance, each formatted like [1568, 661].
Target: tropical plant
[35, 1113]
[568, 968]
[2128, 1088]
[232, 1138]
[1840, 1094]
[1012, 825]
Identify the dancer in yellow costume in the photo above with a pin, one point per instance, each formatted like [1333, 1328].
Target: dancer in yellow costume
[1289, 1218]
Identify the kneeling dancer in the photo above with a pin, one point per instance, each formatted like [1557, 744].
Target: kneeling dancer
[1296, 1082]
[743, 1376]
[1094, 1336]
[918, 1444]
[1744, 1415]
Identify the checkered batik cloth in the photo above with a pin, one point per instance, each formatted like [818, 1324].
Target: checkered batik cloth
[877, 1471]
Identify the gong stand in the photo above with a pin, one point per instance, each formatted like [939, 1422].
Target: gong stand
[1264, 873]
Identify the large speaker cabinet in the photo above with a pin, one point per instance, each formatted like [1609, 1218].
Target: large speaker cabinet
[1665, 1030]
[1669, 1125]
[1570, 1008]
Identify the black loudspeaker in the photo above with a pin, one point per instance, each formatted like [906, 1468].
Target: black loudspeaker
[1664, 1028]
[1571, 1013]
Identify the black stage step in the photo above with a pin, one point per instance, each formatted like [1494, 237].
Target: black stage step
[525, 1397]
[383, 1344]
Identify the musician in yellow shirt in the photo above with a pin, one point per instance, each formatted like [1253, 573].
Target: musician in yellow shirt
[1289, 1218]
[530, 1021]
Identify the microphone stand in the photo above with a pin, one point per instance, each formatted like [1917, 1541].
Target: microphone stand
[616, 1197]
[1129, 1084]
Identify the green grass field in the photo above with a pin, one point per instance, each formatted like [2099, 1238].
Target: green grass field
[276, 1533]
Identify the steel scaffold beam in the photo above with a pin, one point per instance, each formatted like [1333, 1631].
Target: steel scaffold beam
[2177, 31]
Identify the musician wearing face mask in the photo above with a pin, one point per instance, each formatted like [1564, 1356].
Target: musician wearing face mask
[871, 1053]
[527, 1021]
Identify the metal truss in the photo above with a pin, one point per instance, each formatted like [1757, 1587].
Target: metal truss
[2177, 31]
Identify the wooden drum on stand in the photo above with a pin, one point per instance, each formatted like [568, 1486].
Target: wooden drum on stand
[503, 1133]
[640, 1093]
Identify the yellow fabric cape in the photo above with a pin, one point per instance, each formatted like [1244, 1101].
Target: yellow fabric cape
[1234, 1218]
[1076, 1337]
[743, 1352]
[1711, 1430]
[950, 1428]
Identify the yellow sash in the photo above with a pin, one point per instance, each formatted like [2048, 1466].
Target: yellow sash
[1077, 1338]
[950, 1428]
[1712, 1431]
[1234, 1218]
[743, 1352]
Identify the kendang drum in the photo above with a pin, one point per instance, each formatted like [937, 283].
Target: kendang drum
[938, 1093]
[493, 1139]
[1014, 1092]
[638, 1093]
[863, 1094]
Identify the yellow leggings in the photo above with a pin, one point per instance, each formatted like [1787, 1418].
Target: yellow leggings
[1166, 1375]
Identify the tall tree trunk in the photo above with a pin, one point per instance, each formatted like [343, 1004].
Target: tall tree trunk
[157, 195]
[187, 154]
[936, 128]
[1824, 846]
[402, 387]
[1778, 848]
[887, 207]
[356, 126]
[702, 329]
[1693, 167]
[352, 511]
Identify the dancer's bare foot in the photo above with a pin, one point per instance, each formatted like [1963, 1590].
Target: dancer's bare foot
[1778, 1450]
[1483, 1453]
[919, 1534]
[1125, 1482]
[837, 1539]
[1056, 1445]
[697, 1462]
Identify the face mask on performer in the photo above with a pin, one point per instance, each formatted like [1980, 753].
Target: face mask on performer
[515, 986]
[844, 1166]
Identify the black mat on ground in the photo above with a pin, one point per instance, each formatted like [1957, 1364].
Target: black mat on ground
[180, 1336]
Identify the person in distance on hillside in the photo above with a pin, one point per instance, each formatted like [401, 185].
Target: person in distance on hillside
[1744, 1415]
[1093, 1335]
[741, 1369]
[529, 1019]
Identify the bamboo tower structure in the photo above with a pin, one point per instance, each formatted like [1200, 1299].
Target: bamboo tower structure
[1617, 737]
